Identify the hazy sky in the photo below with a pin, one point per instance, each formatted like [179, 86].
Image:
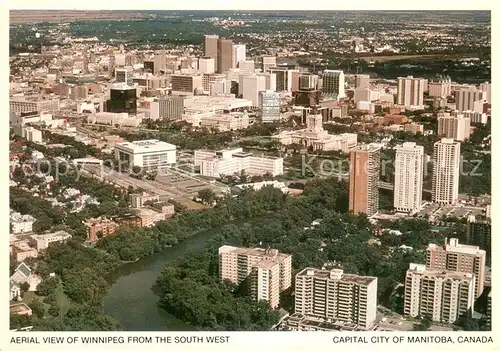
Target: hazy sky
[257, 5]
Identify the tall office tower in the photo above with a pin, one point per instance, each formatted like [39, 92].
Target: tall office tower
[206, 65]
[210, 48]
[334, 83]
[408, 177]
[160, 62]
[411, 92]
[456, 257]
[362, 94]
[441, 296]
[465, 100]
[334, 295]
[251, 86]
[79, 92]
[453, 127]
[308, 81]
[120, 60]
[124, 75]
[171, 107]
[123, 98]
[220, 87]
[186, 84]
[268, 271]
[479, 234]
[284, 78]
[239, 54]
[363, 179]
[486, 89]
[269, 103]
[268, 62]
[247, 66]
[446, 171]
[270, 80]
[362, 81]
[224, 55]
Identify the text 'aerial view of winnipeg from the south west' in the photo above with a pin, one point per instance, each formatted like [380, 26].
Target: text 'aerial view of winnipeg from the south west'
[250, 171]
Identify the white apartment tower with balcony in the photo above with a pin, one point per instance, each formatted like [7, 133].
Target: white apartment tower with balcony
[410, 92]
[408, 177]
[331, 295]
[446, 171]
[440, 295]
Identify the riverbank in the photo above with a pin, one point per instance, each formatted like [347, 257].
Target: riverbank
[130, 298]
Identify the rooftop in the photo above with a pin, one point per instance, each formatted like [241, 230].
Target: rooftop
[337, 274]
[144, 145]
[256, 252]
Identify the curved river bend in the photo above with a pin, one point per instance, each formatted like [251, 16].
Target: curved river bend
[130, 298]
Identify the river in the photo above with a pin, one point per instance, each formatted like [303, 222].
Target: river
[130, 298]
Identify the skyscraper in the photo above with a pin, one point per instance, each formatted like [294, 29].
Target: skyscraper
[239, 54]
[334, 295]
[123, 98]
[334, 83]
[171, 107]
[446, 171]
[362, 81]
[408, 177]
[411, 92]
[210, 48]
[363, 179]
[269, 103]
[284, 77]
[268, 271]
[224, 55]
[479, 234]
[251, 85]
[206, 65]
[465, 99]
[453, 127]
[308, 81]
[268, 62]
[441, 296]
[456, 257]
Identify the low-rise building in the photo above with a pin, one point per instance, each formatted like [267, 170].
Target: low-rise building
[230, 161]
[44, 240]
[21, 223]
[100, 227]
[148, 154]
[316, 137]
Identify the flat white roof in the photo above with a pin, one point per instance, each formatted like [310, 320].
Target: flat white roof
[144, 146]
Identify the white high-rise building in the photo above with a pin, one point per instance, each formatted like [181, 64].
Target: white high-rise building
[268, 62]
[446, 171]
[334, 83]
[440, 295]
[411, 92]
[206, 65]
[486, 89]
[251, 86]
[408, 177]
[466, 100]
[362, 81]
[239, 54]
[269, 103]
[455, 127]
[246, 66]
[333, 295]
